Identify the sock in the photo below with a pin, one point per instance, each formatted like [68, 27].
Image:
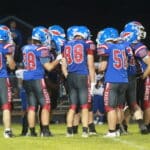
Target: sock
[69, 130]
[141, 124]
[24, 124]
[45, 128]
[32, 130]
[148, 127]
[75, 129]
[92, 127]
[117, 126]
[112, 131]
[7, 129]
[85, 129]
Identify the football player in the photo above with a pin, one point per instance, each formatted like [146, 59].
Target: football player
[6, 59]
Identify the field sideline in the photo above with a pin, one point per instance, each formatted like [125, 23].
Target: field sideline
[133, 141]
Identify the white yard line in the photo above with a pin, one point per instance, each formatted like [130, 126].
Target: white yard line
[138, 147]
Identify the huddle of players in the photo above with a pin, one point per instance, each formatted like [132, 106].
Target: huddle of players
[125, 59]
[120, 56]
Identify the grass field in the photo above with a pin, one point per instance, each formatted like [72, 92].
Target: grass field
[133, 141]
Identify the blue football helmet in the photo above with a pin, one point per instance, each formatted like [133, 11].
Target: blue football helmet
[41, 34]
[129, 35]
[59, 42]
[136, 27]
[70, 32]
[107, 34]
[85, 28]
[83, 31]
[56, 30]
[4, 35]
[5, 28]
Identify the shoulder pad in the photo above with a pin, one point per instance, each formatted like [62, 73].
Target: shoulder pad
[42, 48]
[8, 45]
[89, 41]
[103, 46]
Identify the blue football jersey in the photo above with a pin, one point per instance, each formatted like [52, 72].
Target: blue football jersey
[33, 58]
[117, 53]
[76, 52]
[140, 51]
[5, 49]
[132, 66]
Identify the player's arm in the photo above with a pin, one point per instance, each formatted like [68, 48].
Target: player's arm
[51, 65]
[90, 60]
[64, 67]
[91, 67]
[102, 51]
[10, 61]
[102, 63]
[146, 60]
[43, 53]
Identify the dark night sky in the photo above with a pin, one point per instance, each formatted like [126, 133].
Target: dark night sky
[96, 14]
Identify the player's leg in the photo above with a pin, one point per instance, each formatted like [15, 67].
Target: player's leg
[84, 96]
[120, 108]
[132, 100]
[69, 119]
[146, 103]
[5, 98]
[127, 118]
[32, 106]
[45, 106]
[23, 98]
[110, 102]
[95, 108]
[76, 121]
[91, 125]
[101, 111]
[73, 98]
